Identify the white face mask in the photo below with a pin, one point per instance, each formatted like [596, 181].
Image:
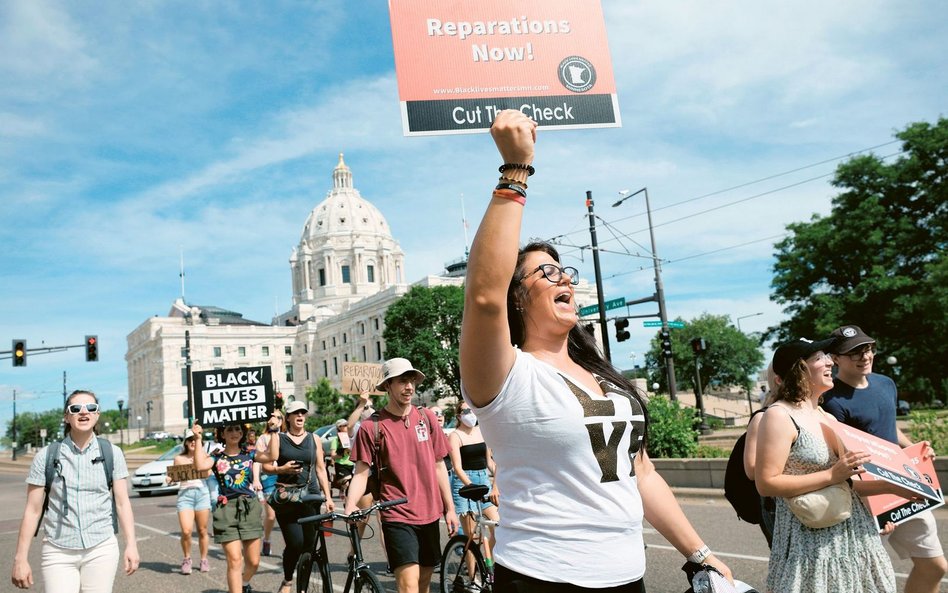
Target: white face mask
[468, 419]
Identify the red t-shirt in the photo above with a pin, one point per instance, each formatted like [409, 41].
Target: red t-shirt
[409, 454]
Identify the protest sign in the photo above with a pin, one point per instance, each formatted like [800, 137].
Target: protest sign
[361, 376]
[181, 473]
[459, 63]
[230, 396]
[889, 462]
[889, 507]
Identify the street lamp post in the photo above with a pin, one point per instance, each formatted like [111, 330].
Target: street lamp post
[121, 404]
[659, 286]
[745, 317]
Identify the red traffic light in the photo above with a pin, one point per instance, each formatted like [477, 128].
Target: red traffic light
[92, 348]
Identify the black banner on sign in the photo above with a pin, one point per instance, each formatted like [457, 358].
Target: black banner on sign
[917, 486]
[468, 115]
[906, 511]
[232, 396]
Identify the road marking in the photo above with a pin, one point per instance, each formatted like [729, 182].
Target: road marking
[211, 544]
[900, 575]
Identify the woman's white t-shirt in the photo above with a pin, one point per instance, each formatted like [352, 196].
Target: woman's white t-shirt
[570, 510]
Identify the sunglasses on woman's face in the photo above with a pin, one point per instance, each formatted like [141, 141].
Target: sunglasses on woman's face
[74, 409]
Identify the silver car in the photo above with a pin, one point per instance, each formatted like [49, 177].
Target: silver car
[150, 478]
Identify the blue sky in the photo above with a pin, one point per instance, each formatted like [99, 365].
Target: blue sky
[130, 132]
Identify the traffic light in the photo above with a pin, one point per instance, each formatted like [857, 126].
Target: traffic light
[621, 333]
[92, 348]
[698, 345]
[666, 344]
[19, 353]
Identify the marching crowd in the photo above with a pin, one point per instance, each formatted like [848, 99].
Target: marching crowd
[533, 382]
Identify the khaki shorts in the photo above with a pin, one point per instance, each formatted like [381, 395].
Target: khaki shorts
[916, 538]
[239, 519]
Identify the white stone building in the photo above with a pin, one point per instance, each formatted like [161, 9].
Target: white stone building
[346, 271]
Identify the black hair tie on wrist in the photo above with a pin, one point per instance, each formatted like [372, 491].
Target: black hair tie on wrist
[528, 168]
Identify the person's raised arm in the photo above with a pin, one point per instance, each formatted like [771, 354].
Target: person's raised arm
[357, 412]
[272, 453]
[202, 461]
[486, 352]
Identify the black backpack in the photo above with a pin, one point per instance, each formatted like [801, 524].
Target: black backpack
[739, 490]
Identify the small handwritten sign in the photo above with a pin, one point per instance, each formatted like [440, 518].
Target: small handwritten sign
[187, 471]
[361, 376]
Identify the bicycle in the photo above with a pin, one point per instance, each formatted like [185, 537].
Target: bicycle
[358, 573]
[463, 568]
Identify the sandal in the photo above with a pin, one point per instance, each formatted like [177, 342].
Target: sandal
[286, 587]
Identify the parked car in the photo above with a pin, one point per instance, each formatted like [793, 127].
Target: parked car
[903, 407]
[326, 434]
[150, 478]
[159, 435]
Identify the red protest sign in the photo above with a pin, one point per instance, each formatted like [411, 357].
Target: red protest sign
[889, 507]
[459, 63]
[889, 462]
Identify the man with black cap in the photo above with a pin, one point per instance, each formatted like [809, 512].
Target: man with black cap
[406, 448]
[867, 401]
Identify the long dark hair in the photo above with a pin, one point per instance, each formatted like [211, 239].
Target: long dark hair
[66, 427]
[581, 345]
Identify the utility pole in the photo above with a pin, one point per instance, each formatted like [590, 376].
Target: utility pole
[187, 368]
[659, 287]
[15, 443]
[601, 300]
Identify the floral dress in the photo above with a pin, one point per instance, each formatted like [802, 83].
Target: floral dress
[845, 558]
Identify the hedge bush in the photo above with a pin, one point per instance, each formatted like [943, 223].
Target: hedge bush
[671, 429]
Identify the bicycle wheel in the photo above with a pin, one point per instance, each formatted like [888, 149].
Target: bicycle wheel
[460, 572]
[367, 582]
[312, 575]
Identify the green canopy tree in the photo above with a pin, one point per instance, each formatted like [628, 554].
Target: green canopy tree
[330, 403]
[878, 261]
[424, 326]
[28, 425]
[730, 359]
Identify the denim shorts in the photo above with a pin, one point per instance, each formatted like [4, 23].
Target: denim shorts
[461, 504]
[194, 499]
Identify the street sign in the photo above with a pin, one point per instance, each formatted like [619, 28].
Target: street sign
[610, 305]
[658, 323]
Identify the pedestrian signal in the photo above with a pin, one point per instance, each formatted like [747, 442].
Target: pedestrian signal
[92, 348]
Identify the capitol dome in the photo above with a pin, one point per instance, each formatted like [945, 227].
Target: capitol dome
[346, 251]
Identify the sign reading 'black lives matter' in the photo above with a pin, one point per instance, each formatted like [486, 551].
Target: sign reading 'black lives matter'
[229, 396]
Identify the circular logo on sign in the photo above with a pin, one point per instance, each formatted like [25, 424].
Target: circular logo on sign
[849, 332]
[577, 74]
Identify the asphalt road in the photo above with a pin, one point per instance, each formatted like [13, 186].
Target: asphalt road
[740, 545]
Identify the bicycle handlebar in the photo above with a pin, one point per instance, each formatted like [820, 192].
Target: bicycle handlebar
[356, 515]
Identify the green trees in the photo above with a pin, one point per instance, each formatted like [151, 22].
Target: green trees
[878, 261]
[424, 326]
[331, 405]
[28, 425]
[731, 357]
